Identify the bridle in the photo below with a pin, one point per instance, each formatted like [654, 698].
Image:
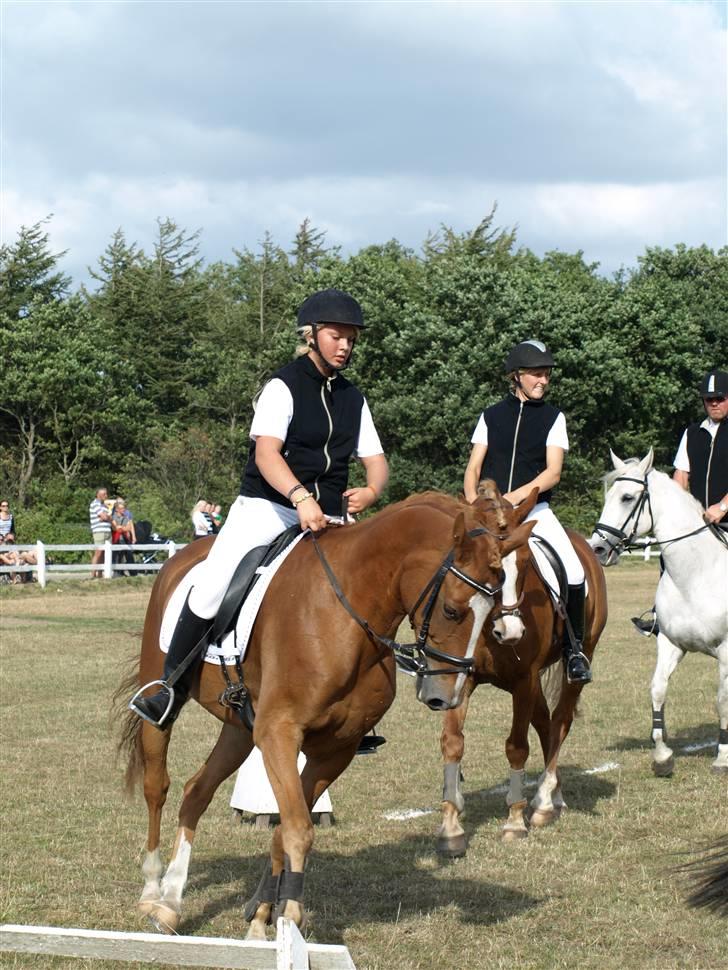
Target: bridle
[624, 538]
[412, 657]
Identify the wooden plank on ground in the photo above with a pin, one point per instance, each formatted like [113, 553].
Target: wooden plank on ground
[184, 951]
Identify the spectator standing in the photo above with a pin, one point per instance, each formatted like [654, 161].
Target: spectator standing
[200, 523]
[7, 519]
[100, 523]
[122, 532]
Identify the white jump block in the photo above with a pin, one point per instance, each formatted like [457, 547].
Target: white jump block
[288, 952]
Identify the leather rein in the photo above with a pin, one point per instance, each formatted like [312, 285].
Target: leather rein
[412, 657]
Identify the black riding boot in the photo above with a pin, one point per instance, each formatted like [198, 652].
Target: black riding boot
[647, 625]
[578, 670]
[162, 708]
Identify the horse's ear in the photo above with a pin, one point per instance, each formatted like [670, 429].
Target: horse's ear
[619, 465]
[647, 462]
[518, 537]
[461, 541]
[525, 507]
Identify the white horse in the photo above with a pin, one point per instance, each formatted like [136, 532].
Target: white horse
[692, 595]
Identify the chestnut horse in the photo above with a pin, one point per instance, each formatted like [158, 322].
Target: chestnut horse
[513, 659]
[321, 673]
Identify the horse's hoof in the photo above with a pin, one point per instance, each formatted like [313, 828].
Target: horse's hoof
[453, 847]
[164, 918]
[540, 818]
[145, 907]
[514, 835]
[663, 769]
[256, 930]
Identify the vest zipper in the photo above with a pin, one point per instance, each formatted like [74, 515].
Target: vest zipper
[515, 441]
[707, 470]
[324, 388]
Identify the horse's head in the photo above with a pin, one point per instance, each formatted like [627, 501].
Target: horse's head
[459, 602]
[626, 511]
[499, 516]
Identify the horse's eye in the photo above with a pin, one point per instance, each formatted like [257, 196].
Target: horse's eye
[627, 498]
[450, 612]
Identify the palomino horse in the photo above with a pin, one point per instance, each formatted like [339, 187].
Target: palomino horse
[319, 679]
[692, 594]
[520, 639]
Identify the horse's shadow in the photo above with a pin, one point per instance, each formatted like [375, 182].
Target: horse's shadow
[700, 734]
[383, 883]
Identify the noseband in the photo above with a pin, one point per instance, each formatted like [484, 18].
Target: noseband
[624, 538]
[412, 657]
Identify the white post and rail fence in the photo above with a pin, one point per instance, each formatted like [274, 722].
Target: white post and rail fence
[153, 557]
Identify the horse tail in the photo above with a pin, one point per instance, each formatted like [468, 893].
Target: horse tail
[129, 745]
[708, 875]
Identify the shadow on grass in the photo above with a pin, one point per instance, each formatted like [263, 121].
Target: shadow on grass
[384, 883]
[699, 734]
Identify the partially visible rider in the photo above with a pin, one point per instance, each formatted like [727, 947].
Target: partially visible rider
[701, 465]
[520, 443]
[309, 421]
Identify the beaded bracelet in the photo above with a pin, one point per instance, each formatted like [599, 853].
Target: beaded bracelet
[296, 502]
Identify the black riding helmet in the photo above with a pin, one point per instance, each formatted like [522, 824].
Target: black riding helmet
[714, 384]
[528, 354]
[330, 306]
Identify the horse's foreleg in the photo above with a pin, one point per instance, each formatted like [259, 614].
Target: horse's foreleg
[451, 839]
[547, 803]
[721, 761]
[154, 746]
[517, 751]
[280, 744]
[668, 657]
[231, 749]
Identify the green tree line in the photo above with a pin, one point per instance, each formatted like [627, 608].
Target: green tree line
[145, 380]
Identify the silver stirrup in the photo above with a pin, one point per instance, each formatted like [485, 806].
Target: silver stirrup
[145, 717]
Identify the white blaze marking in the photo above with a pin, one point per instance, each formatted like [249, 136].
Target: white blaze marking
[481, 606]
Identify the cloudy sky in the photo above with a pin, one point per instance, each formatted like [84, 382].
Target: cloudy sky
[598, 126]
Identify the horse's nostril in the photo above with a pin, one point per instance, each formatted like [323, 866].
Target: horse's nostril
[498, 636]
[437, 704]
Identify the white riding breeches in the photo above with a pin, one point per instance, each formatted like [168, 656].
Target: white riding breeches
[250, 522]
[548, 527]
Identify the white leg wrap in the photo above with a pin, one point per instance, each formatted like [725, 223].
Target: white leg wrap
[175, 877]
[516, 786]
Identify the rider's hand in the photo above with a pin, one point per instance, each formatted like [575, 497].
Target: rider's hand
[360, 498]
[310, 515]
[713, 513]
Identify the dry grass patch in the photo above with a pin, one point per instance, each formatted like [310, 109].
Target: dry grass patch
[595, 891]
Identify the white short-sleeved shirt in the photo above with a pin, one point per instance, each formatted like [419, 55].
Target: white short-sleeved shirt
[557, 436]
[274, 412]
[681, 461]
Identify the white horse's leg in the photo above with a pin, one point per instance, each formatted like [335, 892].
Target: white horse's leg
[165, 913]
[668, 657]
[152, 869]
[721, 761]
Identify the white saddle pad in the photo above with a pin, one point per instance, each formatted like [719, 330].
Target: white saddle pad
[234, 643]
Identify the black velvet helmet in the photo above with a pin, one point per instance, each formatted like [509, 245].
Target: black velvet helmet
[330, 306]
[714, 384]
[528, 354]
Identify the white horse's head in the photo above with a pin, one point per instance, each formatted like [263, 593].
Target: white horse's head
[626, 511]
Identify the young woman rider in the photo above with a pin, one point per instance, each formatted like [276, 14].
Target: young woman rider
[309, 420]
[520, 443]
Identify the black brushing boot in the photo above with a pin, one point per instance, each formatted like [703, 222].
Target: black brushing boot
[162, 708]
[578, 670]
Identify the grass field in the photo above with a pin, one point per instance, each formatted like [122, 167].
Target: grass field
[595, 891]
